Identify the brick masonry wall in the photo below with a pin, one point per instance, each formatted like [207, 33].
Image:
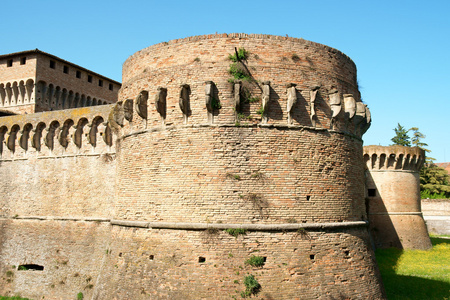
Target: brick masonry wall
[69, 81]
[62, 181]
[239, 174]
[129, 263]
[17, 71]
[71, 253]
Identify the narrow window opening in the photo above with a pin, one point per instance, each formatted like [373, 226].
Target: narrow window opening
[78, 74]
[347, 253]
[89, 78]
[201, 259]
[264, 258]
[52, 64]
[66, 69]
[312, 257]
[151, 257]
[308, 198]
[23, 60]
[372, 192]
[110, 87]
[100, 82]
[30, 267]
[9, 63]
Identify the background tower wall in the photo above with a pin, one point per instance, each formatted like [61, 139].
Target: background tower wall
[393, 193]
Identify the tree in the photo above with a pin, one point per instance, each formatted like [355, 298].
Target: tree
[416, 142]
[401, 136]
[434, 181]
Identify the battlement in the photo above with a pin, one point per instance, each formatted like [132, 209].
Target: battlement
[393, 158]
[80, 131]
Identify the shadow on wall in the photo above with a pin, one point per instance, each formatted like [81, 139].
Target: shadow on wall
[382, 230]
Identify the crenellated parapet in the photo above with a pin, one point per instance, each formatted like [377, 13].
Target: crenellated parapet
[58, 133]
[396, 157]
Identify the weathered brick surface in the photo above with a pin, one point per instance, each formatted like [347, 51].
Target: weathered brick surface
[40, 177]
[239, 174]
[127, 263]
[72, 254]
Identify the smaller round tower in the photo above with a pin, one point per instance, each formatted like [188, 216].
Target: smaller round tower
[393, 196]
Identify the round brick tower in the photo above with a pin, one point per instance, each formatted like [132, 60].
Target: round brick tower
[233, 146]
[393, 196]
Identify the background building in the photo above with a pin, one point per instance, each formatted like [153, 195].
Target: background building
[35, 81]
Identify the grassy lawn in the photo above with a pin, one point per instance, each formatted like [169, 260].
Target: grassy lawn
[416, 274]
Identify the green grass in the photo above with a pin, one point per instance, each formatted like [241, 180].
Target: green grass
[13, 298]
[416, 274]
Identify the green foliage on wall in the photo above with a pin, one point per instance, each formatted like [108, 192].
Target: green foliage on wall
[255, 261]
[252, 286]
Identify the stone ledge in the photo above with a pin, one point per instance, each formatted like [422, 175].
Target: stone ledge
[233, 125]
[396, 213]
[202, 226]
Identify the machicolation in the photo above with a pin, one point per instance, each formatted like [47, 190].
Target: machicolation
[212, 156]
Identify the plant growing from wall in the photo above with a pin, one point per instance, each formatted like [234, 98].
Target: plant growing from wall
[233, 176]
[215, 103]
[255, 261]
[260, 111]
[237, 68]
[252, 286]
[236, 231]
[258, 202]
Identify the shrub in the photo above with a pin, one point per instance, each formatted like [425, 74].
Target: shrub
[255, 261]
[242, 54]
[252, 286]
[215, 103]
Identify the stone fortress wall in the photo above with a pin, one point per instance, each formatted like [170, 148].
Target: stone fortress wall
[147, 213]
[393, 195]
[35, 81]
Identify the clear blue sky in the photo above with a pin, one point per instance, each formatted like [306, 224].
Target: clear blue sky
[401, 48]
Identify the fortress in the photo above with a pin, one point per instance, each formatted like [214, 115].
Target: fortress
[167, 193]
